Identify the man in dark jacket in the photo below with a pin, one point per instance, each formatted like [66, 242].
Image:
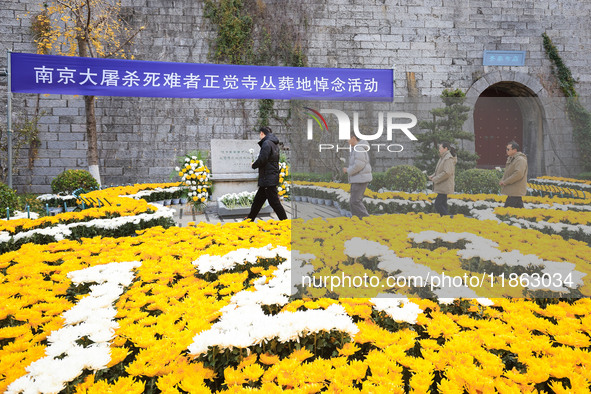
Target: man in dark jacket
[268, 165]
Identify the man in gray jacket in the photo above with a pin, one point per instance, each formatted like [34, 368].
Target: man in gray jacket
[359, 173]
[514, 181]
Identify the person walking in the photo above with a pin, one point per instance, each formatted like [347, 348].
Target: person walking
[359, 174]
[444, 176]
[268, 166]
[514, 181]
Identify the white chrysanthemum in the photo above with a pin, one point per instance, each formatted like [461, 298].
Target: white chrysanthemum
[400, 310]
[357, 247]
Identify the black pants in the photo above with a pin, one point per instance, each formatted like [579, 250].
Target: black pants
[441, 204]
[267, 193]
[513, 202]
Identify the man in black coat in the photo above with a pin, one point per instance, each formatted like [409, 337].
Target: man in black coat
[268, 165]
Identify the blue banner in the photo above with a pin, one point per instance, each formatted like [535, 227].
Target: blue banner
[49, 74]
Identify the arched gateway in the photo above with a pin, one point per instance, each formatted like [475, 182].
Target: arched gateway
[507, 107]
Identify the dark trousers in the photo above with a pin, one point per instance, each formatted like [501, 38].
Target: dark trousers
[513, 202]
[267, 193]
[441, 204]
[356, 200]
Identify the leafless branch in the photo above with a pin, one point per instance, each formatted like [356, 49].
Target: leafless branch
[74, 11]
[129, 39]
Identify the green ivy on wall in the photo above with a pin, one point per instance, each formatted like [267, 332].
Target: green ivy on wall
[579, 116]
[265, 111]
[250, 33]
[233, 43]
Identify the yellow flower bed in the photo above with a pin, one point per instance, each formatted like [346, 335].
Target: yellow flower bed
[547, 215]
[370, 193]
[559, 179]
[393, 231]
[555, 189]
[34, 287]
[119, 206]
[465, 197]
[114, 192]
[514, 346]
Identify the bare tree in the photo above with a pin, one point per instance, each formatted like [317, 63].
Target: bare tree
[85, 28]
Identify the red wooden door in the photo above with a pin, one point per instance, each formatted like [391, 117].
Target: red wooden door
[497, 121]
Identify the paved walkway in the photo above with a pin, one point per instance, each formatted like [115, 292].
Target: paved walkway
[185, 214]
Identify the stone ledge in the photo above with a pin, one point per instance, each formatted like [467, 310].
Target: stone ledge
[234, 177]
[234, 183]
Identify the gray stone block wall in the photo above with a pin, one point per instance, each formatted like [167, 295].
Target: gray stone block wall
[440, 41]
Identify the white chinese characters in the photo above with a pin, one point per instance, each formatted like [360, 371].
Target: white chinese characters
[140, 79]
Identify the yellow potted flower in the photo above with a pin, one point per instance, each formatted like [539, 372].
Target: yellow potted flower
[284, 188]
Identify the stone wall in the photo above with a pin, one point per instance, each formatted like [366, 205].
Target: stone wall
[434, 44]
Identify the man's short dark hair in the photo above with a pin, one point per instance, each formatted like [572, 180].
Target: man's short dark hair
[265, 130]
[514, 145]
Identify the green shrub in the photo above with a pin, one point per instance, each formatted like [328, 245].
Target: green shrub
[8, 199]
[70, 180]
[584, 175]
[477, 180]
[405, 178]
[31, 200]
[378, 181]
[312, 177]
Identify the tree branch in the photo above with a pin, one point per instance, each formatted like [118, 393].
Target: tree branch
[113, 52]
[67, 5]
[74, 11]
[87, 29]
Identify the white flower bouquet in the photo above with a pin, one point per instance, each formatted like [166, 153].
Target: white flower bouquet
[238, 200]
[196, 178]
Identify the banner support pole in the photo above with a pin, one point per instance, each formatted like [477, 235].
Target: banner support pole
[9, 120]
[393, 82]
